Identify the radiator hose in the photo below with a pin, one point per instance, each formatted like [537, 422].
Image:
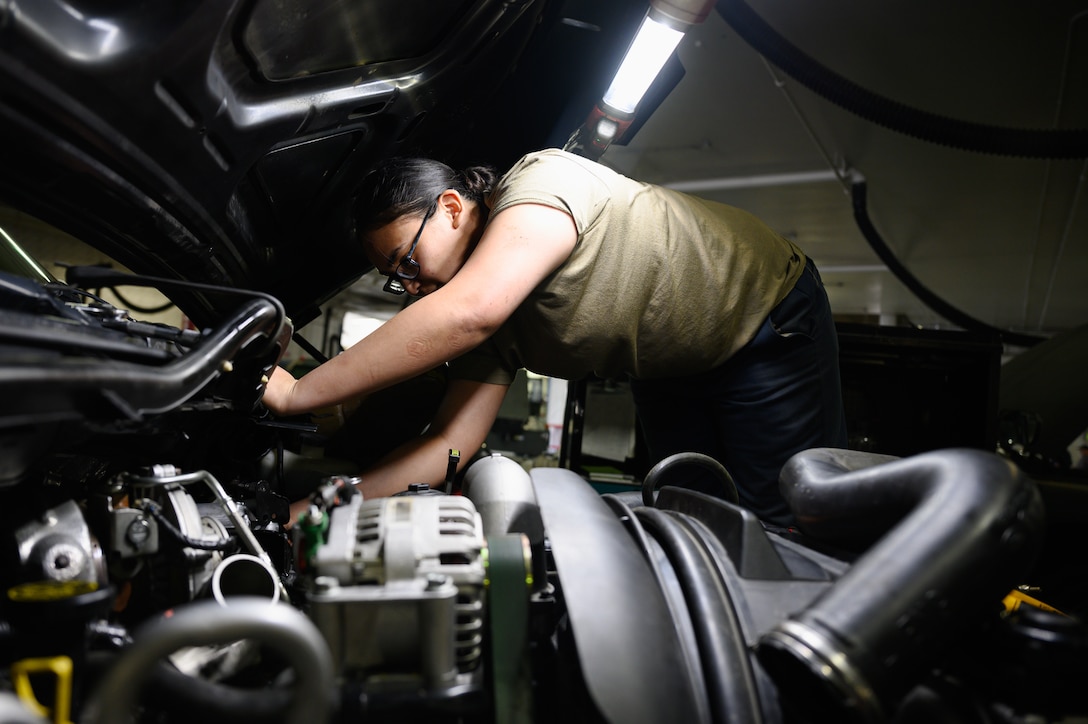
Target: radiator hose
[964, 526]
[283, 629]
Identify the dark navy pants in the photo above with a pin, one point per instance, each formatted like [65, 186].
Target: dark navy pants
[779, 394]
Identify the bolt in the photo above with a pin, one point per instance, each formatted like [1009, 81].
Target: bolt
[138, 532]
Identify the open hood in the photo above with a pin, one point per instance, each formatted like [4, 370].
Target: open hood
[145, 491]
[221, 142]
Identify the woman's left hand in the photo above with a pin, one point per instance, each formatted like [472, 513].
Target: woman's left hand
[277, 392]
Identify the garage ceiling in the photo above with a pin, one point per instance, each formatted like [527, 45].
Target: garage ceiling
[1002, 239]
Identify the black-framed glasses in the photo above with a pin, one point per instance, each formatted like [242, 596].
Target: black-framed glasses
[408, 268]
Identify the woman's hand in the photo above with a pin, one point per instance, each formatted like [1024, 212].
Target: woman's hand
[277, 393]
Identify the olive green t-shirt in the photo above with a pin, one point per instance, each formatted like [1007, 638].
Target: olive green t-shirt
[659, 284]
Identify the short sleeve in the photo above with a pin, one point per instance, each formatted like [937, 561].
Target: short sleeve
[483, 364]
[556, 179]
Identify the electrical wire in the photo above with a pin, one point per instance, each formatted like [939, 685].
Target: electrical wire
[136, 307]
[203, 545]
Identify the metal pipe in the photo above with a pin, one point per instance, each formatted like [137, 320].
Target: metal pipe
[503, 495]
[729, 183]
[244, 575]
[170, 476]
[964, 525]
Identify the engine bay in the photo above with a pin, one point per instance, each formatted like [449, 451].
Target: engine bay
[151, 572]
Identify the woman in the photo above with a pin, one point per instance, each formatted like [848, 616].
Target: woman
[567, 268]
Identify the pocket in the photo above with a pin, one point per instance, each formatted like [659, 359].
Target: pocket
[804, 309]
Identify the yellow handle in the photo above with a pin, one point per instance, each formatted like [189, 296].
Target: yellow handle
[61, 668]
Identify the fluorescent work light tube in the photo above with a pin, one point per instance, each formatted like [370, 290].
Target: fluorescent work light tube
[651, 47]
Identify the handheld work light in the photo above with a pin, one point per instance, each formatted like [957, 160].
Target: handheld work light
[665, 23]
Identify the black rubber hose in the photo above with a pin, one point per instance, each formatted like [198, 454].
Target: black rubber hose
[630, 521]
[930, 127]
[185, 697]
[652, 480]
[912, 122]
[97, 276]
[674, 597]
[964, 526]
[727, 670]
[284, 630]
[859, 197]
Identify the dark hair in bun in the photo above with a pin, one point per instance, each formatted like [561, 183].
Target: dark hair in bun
[408, 186]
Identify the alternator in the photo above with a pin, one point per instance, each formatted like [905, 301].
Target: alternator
[398, 588]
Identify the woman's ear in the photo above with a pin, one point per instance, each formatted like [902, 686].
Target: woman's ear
[451, 203]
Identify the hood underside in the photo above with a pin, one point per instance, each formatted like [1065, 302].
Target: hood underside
[222, 142]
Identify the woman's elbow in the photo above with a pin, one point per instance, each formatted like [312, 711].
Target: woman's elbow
[475, 327]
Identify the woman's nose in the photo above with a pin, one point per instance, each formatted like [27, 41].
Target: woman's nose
[411, 286]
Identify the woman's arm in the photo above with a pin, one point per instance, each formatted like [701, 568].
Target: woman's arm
[462, 421]
[519, 248]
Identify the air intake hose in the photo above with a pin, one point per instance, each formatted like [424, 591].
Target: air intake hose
[967, 525]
